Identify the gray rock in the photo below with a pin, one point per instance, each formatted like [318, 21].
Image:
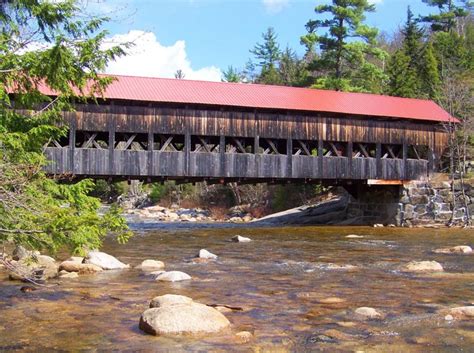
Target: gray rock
[204, 254]
[422, 266]
[240, 239]
[460, 249]
[38, 267]
[367, 313]
[183, 318]
[173, 276]
[104, 261]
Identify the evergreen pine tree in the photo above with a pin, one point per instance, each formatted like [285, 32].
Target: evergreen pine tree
[403, 78]
[429, 75]
[345, 48]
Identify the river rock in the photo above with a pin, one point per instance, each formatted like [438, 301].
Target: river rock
[47, 264]
[74, 266]
[240, 239]
[244, 336]
[331, 300]
[354, 236]
[460, 249]
[69, 275]
[463, 312]
[367, 313]
[104, 261]
[20, 253]
[38, 267]
[152, 265]
[173, 276]
[422, 266]
[169, 299]
[204, 254]
[182, 318]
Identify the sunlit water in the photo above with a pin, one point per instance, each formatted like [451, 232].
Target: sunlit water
[278, 280]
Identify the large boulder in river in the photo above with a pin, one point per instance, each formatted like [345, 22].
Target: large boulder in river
[38, 267]
[422, 267]
[169, 299]
[180, 315]
[104, 261]
[173, 276]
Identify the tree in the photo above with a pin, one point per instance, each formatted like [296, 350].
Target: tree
[345, 48]
[292, 70]
[403, 78]
[413, 69]
[179, 74]
[429, 73]
[268, 55]
[450, 11]
[231, 75]
[46, 42]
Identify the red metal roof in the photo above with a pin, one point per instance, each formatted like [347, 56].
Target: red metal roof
[272, 97]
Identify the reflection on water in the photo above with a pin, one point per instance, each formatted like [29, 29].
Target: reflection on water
[281, 281]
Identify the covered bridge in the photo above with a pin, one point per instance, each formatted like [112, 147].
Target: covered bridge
[158, 129]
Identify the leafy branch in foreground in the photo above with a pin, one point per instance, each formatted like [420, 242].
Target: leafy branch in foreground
[48, 43]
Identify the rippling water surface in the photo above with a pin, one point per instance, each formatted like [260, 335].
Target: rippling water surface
[278, 279]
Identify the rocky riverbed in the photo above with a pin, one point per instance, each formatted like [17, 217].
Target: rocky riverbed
[281, 289]
[191, 215]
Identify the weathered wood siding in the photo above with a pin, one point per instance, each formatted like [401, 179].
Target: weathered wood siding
[254, 126]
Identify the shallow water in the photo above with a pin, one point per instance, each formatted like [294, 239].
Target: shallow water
[278, 280]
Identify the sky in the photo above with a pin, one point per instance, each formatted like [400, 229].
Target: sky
[204, 37]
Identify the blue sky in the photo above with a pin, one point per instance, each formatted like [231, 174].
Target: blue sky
[204, 37]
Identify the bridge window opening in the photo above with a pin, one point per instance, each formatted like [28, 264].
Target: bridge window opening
[168, 143]
[305, 148]
[392, 151]
[418, 152]
[364, 150]
[272, 146]
[334, 149]
[60, 142]
[133, 142]
[206, 144]
[239, 145]
[93, 140]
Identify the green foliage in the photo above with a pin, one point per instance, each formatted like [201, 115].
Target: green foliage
[449, 12]
[349, 59]
[403, 78]
[413, 69]
[231, 75]
[268, 53]
[46, 42]
[108, 191]
[158, 191]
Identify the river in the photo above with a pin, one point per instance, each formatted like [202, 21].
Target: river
[278, 279]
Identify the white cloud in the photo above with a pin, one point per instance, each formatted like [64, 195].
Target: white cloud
[375, 1]
[275, 6]
[150, 58]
